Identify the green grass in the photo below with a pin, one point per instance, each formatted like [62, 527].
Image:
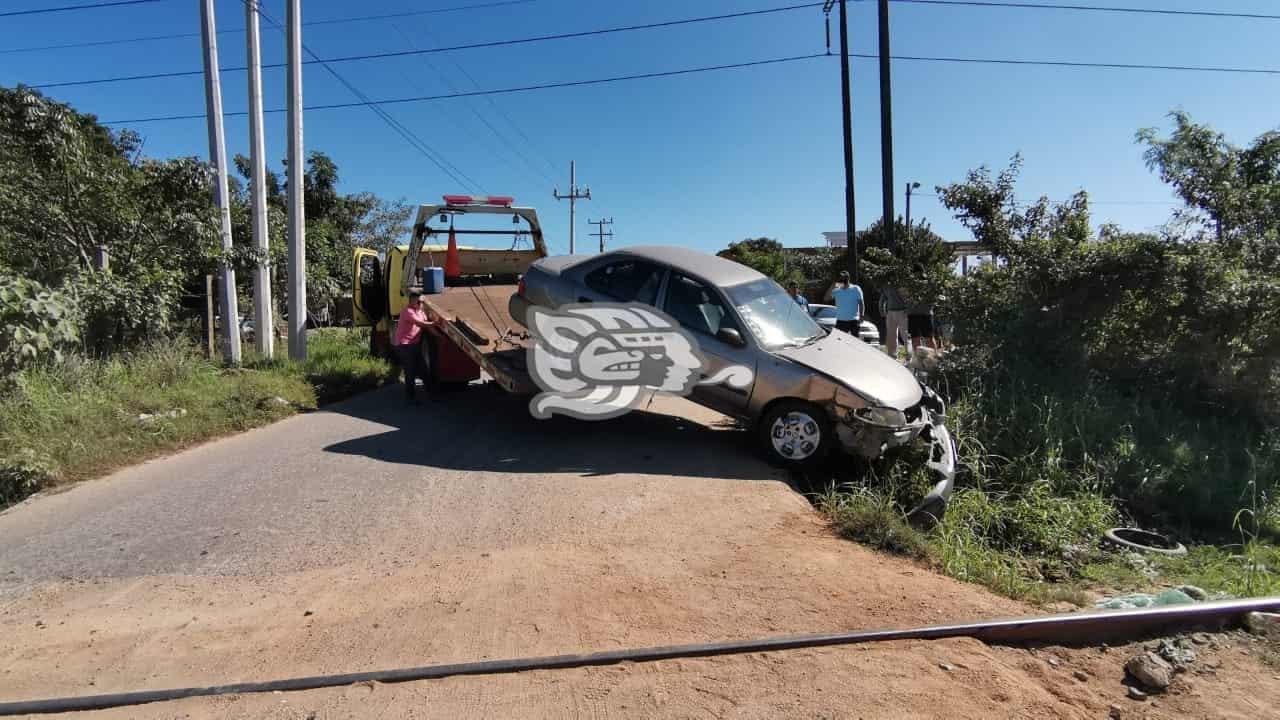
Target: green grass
[80, 418]
[873, 519]
[1050, 465]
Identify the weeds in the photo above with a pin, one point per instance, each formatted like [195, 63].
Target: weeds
[873, 518]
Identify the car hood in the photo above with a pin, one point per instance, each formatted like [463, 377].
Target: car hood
[862, 368]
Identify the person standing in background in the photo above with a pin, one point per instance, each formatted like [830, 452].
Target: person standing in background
[849, 305]
[794, 291]
[920, 326]
[894, 309]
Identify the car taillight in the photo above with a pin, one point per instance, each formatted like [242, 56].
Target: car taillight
[520, 287]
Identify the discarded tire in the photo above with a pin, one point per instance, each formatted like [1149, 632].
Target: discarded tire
[1144, 541]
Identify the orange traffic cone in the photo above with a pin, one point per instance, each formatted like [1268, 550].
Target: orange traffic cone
[452, 263]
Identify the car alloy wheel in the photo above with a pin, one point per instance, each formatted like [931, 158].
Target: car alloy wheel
[796, 435]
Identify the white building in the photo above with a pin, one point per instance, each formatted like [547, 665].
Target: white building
[836, 239]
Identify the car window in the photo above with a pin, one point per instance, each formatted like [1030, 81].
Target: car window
[825, 313]
[627, 281]
[696, 306]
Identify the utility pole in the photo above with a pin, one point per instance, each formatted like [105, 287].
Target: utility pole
[297, 208]
[573, 196]
[218, 156]
[850, 226]
[600, 233]
[886, 127]
[263, 337]
[910, 186]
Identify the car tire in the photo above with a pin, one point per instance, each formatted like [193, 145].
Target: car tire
[1144, 541]
[795, 434]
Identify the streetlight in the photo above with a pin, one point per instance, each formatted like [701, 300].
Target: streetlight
[910, 187]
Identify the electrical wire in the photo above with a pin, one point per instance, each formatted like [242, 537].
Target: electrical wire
[499, 91]
[529, 143]
[69, 8]
[229, 31]
[456, 174]
[710, 68]
[515, 149]
[1094, 8]
[452, 48]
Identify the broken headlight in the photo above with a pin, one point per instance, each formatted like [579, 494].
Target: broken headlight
[881, 416]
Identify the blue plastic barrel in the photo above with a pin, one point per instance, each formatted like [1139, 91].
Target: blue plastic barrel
[432, 280]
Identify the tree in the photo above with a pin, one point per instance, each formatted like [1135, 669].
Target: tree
[1232, 194]
[335, 225]
[69, 185]
[761, 254]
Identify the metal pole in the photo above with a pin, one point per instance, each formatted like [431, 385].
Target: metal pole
[908, 214]
[264, 339]
[886, 126]
[297, 208]
[850, 226]
[573, 198]
[218, 156]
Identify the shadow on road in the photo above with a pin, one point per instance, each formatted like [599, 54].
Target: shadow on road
[482, 428]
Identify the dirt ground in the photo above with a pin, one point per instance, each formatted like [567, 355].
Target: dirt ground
[668, 561]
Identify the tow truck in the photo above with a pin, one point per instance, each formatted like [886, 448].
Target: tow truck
[471, 330]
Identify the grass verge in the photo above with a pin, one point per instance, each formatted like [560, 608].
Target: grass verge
[1050, 466]
[84, 417]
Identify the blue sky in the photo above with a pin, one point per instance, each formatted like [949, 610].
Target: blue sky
[698, 160]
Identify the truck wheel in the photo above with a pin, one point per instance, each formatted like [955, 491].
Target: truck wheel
[795, 434]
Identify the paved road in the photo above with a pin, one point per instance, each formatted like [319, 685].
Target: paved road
[371, 535]
[326, 488]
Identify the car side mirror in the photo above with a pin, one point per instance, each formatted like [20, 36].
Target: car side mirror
[730, 336]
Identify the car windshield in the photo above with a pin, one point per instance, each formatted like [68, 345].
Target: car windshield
[772, 316]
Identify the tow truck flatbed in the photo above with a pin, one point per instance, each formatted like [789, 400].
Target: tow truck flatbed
[477, 320]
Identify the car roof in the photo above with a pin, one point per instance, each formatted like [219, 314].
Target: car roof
[714, 269]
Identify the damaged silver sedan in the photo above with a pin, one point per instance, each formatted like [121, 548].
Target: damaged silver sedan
[813, 391]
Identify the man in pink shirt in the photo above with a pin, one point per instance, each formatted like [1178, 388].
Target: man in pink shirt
[407, 339]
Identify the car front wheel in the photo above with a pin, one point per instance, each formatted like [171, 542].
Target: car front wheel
[795, 434]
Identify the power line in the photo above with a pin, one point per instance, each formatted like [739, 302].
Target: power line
[529, 143]
[915, 58]
[409, 136]
[1094, 8]
[68, 8]
[453, 48]
[1071, 64]
[331, 21]
[485, 121]
[500, 91]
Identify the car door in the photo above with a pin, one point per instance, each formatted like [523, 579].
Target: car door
[701, 309]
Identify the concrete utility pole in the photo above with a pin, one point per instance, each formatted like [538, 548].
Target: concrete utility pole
[886, 128]
[218, 156]
[600, 233]
[573, 196]
[850, 225]
[297, 208]
[263, 323]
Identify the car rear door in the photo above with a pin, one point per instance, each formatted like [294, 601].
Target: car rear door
[621, 279]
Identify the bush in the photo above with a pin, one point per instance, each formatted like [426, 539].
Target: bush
[36, 323]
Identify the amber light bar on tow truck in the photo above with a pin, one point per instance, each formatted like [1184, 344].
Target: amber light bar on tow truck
[490, 200]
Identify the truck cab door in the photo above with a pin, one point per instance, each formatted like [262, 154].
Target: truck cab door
[368, 293]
